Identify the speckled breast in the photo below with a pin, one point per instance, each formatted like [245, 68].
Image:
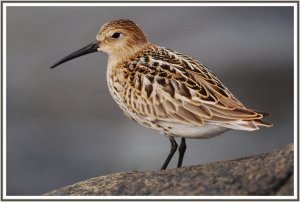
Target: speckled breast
[122, 87]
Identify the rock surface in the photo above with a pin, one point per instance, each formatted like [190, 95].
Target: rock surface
[264, 174]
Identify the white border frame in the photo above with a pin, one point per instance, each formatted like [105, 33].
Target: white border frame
[177, 4]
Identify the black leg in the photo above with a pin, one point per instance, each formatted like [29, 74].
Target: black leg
[172, 151]
[181, 149]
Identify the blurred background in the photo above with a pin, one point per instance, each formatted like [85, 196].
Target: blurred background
[64, 127]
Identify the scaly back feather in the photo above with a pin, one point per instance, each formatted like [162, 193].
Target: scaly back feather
[161, 84]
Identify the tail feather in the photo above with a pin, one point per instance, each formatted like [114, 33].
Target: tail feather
[259, 122]
[262, 112]
[240, 125]
[245, 124]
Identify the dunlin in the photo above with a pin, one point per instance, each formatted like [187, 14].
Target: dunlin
[165, 90]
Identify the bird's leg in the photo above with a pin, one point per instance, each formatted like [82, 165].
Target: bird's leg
[181, 150]
[172, 151]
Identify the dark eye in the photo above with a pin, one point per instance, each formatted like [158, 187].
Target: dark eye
[116, 35]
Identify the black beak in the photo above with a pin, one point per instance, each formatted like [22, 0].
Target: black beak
[91, 48]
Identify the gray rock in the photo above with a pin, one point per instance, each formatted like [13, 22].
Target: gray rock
[264, 174]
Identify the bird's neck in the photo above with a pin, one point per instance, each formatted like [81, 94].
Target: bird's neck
[124, 53]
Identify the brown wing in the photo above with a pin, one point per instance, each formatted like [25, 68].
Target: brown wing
[170, 86]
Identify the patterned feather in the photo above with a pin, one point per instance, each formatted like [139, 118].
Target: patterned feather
[160, 84]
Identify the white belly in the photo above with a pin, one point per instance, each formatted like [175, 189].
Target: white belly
[189, 131]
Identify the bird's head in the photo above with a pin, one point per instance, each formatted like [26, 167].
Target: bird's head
[118, 38]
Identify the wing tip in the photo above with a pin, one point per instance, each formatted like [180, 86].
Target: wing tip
[262, 113]
[260, 122]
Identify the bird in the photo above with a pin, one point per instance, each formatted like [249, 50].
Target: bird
[165, 90]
